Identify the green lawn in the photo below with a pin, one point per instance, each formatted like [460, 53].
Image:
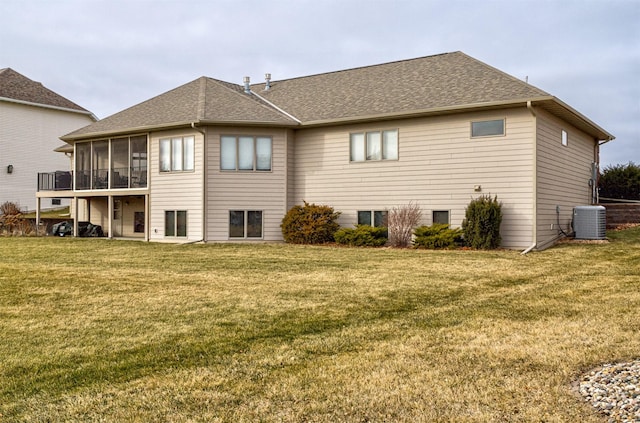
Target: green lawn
[102, 330]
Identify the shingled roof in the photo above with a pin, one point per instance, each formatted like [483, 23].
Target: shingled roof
[202, 100]
[17, 87]
[434, 84]
[448, 80]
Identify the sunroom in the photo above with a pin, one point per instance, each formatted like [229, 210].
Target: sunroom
[107, 185]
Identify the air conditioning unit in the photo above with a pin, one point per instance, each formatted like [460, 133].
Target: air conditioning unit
[590, 222]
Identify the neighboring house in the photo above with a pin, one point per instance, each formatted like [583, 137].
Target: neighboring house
[32, 119]
[216, 161]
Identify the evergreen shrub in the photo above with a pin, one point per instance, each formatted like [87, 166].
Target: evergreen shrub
[362, 236]
[437, 236]
[310, 224]
[481, 225]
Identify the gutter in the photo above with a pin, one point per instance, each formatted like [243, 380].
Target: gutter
[204, 180]
[534, 231]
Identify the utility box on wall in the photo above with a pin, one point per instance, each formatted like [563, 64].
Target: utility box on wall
[590, 222]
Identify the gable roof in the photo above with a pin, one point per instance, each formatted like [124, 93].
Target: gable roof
[18, 88]
[443, 83]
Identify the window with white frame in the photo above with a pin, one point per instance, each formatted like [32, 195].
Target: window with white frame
[487, 128]
[374, 145]
[245, 224]
[564, 138]
[175, 223]
[245, 153]
[177, 154]
[377, 218]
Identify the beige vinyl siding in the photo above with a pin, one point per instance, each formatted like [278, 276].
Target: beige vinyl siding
[439, 165]
[563, 174]
[265, 191]
[291, 163]
[176, 190]
[28, 137]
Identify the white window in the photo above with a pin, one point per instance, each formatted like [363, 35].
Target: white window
[177, 154]
[487, 128]
[374, 145]
[377, 218]
[245, 153]
[245, 224]
[565, 138]
[175, 223]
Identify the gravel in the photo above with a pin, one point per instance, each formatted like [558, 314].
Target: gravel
[614, 390]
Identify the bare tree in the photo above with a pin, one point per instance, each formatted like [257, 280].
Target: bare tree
[401, 221]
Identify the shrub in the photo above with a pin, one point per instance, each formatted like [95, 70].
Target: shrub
[401, 221]
[437, 236]
[11, 218]
[481, 225]
[362, 236]
[309, 224]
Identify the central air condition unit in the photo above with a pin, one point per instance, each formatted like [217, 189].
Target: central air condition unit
[590, 222]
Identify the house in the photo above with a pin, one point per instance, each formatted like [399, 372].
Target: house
[32, 119]
[214, 161]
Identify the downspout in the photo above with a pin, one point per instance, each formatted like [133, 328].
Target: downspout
[204, 180]
[534, 230]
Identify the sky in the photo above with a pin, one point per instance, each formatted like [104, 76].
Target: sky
[108, 55]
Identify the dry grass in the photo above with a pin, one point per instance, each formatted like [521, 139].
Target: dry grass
[99, 330]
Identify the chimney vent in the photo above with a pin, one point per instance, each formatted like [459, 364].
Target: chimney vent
[247, 81]
[267, 79]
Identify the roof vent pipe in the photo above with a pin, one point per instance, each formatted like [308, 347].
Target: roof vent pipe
[267, 79]
[247, 81]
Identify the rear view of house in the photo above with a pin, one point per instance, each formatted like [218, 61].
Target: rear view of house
[32, 118]
[214, 161]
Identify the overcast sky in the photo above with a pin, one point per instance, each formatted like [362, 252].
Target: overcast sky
[109, 55]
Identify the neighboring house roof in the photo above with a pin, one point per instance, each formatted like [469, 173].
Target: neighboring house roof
[15, 87]
[444, 83]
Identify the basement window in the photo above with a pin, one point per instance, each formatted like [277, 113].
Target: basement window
[245, 224]
[487, 128]
[440, 216]
[377, 218]
[175, 223]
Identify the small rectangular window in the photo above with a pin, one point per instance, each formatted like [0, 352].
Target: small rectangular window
[364, 218]
[377, 218]
[169, 223]
[565, 138]
[245, 224]
[175, 223]
[441, 216]
[56, 202]
[487, 128]
[373, 146]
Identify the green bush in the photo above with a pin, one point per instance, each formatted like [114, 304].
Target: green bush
[620, 182]
[437, 236]
[481, 225]
[309, 224]
[362, 236]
